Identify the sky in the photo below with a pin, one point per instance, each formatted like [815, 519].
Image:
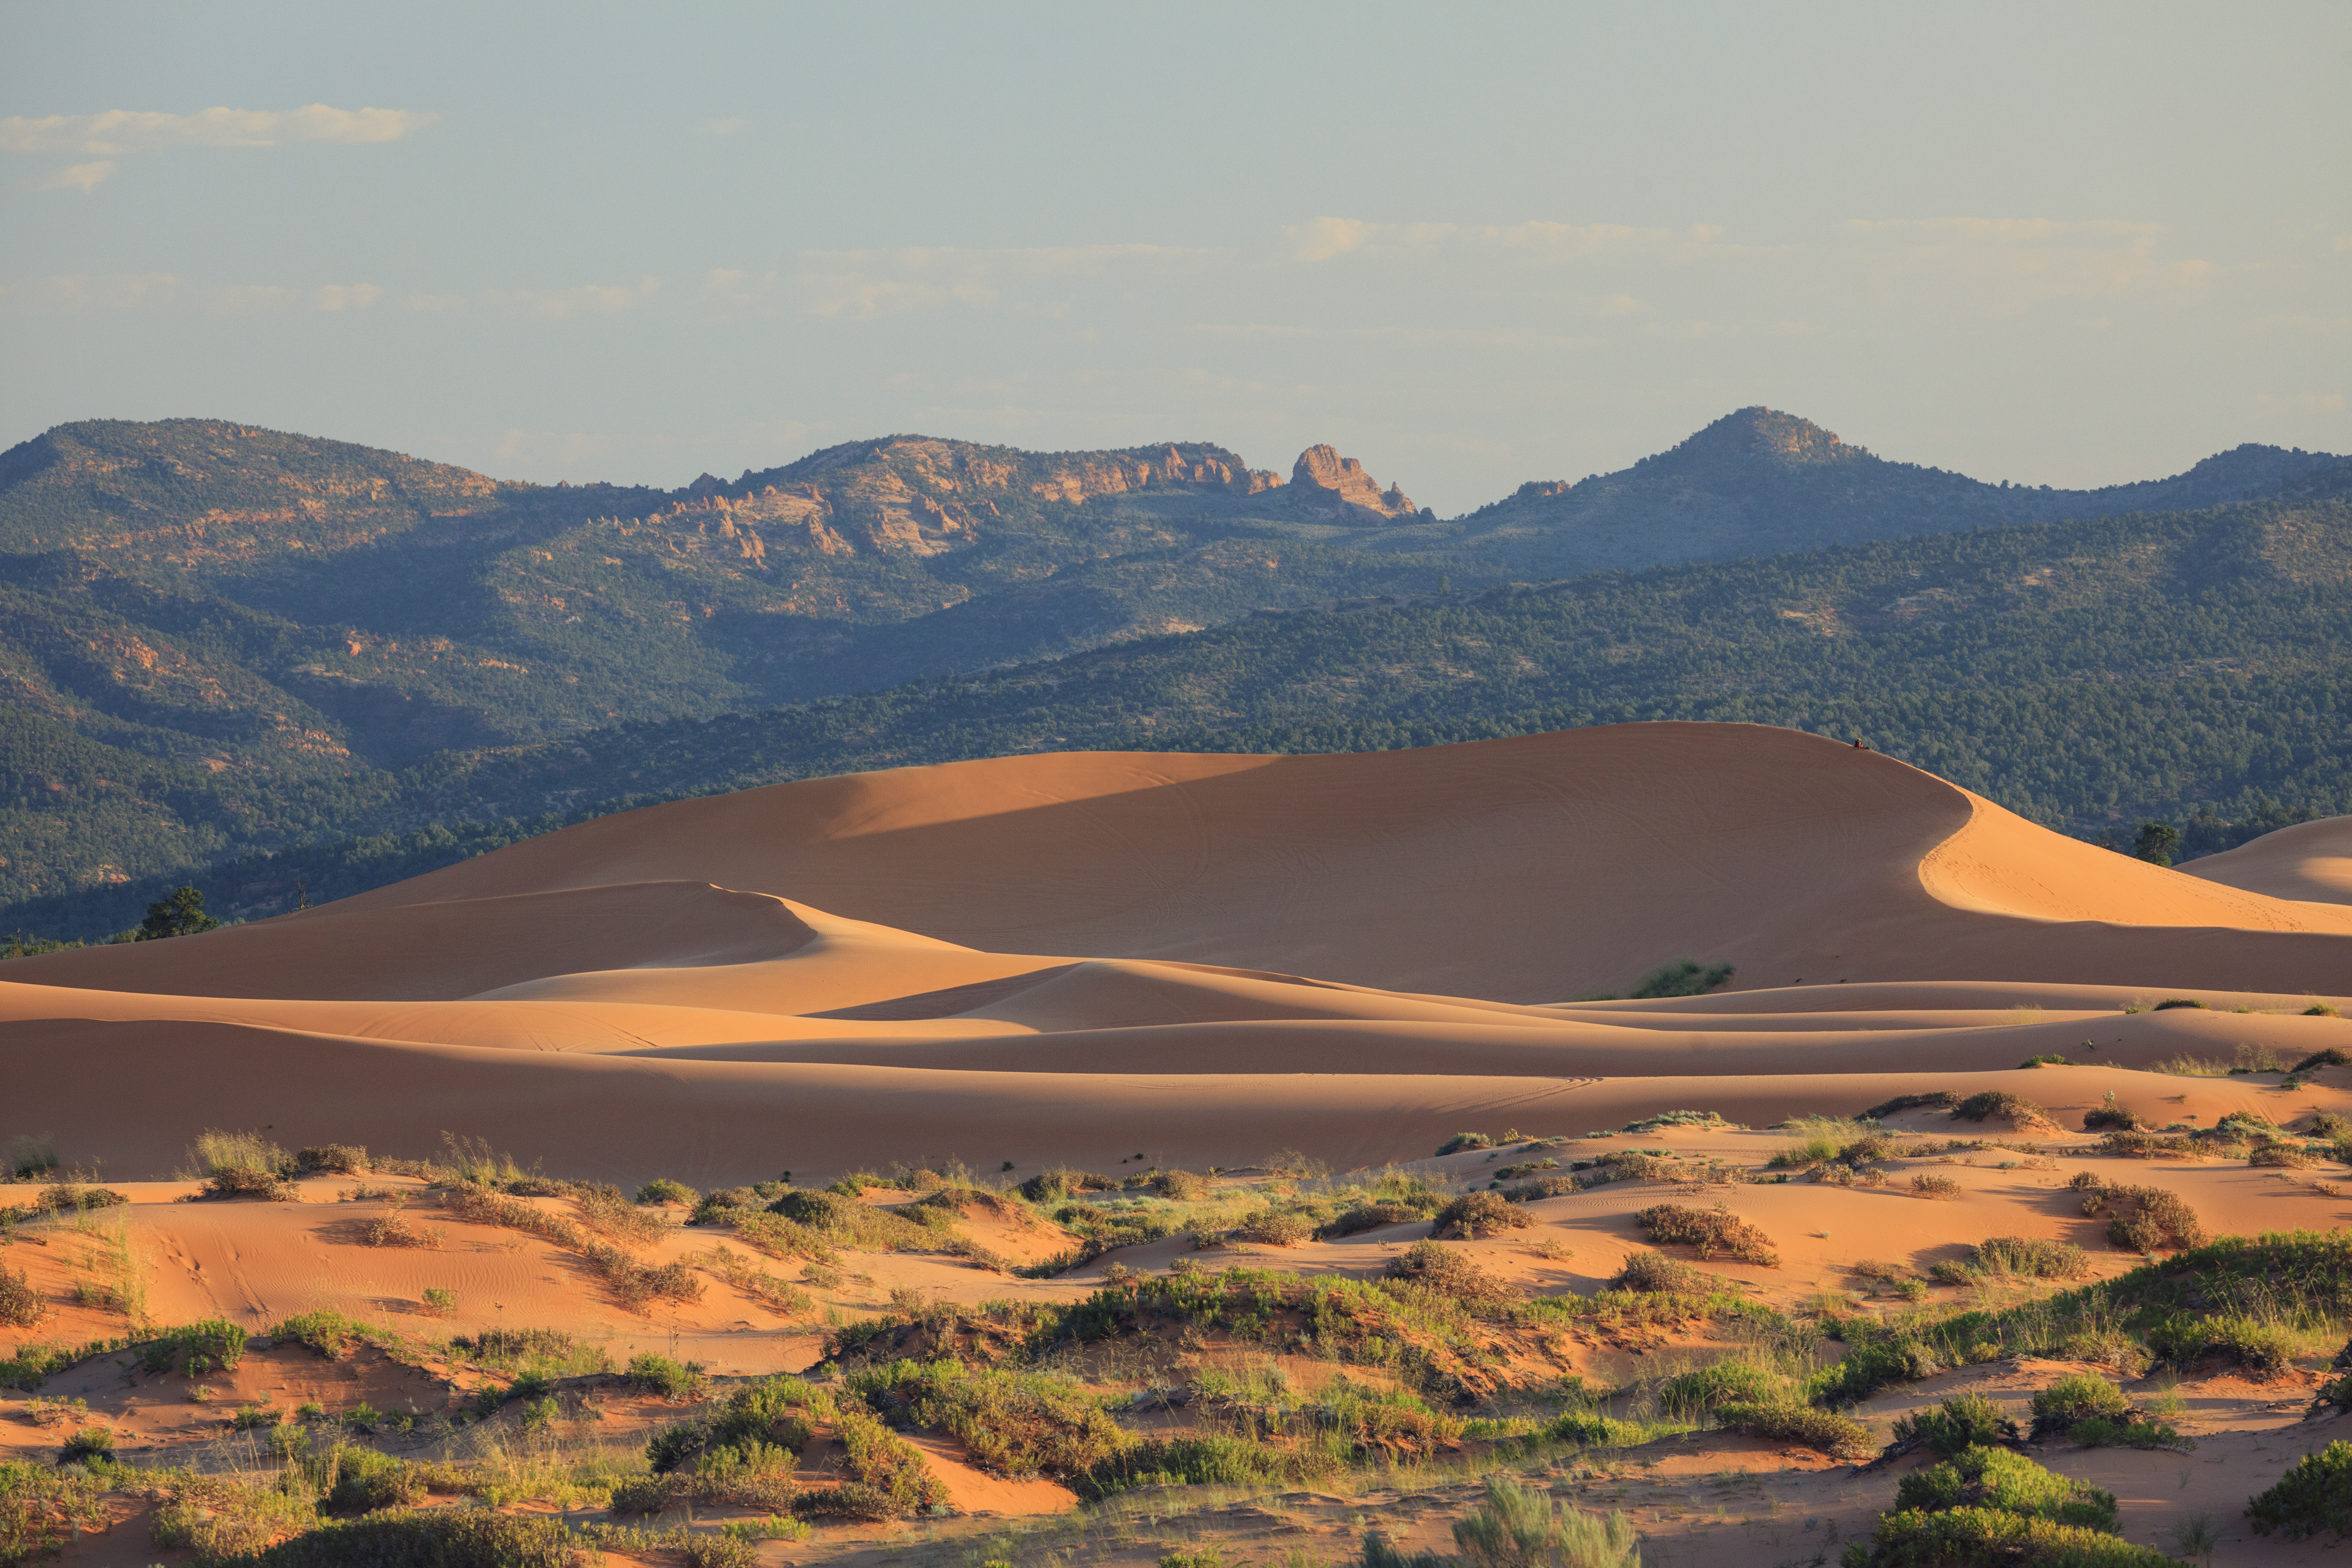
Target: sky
[1469, 245]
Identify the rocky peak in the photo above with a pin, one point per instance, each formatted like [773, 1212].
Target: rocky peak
[1769, 433]
[1322, 482]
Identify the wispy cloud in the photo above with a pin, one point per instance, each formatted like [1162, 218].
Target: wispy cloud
[865, 285]
[2012, 264]
[563, 304]
[729, 126]
[1322, 238]
[236, 300]
[121, 131]
[77, 291]
[77, 176]
[2301, 402]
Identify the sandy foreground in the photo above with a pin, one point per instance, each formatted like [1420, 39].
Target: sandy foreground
[1286, 969]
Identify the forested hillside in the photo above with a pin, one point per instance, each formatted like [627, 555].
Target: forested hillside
[2187, 666]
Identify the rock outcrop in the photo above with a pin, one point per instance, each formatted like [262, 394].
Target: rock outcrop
[1324, 483]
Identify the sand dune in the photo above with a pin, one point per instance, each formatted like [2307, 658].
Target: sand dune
[1208, 956]
[2310, 862]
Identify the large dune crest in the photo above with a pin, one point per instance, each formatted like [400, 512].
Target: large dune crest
[1122, 924]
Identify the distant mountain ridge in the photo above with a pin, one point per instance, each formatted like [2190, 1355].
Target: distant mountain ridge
[215, 637]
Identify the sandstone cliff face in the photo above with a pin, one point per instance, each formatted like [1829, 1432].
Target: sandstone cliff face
[912, 496]
[1325, 484]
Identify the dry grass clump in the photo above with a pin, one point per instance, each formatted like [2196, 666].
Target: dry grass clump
[634, 1285]
[1372, 1215]
[778, 1295]
[1464, 1142]
[1271, 1227]
[1053, 1186]
[1939, 1100]
[1541, 1188]
[1934, 1184]
[1716, 1233]
[393, 1230]
[338, 1159]
[2108, 1115]
[1474, 1215]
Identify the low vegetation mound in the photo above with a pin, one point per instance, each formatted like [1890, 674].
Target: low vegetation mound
[1474, 1215]
[2315, 1495]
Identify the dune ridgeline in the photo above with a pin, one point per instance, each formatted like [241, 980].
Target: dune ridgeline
[1317, 1094]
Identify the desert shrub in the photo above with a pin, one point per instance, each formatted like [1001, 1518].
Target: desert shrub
[1474, 1215]
[2330, 1057]
[1939, 1099]
[1520, 1527]
[2169, 1003]
[1592, 1427]
[1703, 1392]
[1933, 1185]
[1680, 977]
[606, 1210]
[2109, 1115]
[1656, 1273]
[1269, 1229]
[641, 1494]
[750, 1474]
[1051, 1186]
[1996, 1478]
[1446, 1272]
[1947, 1272]
[1967, 1420]
[20, 1305]
[341, 1159]
[2077, 1396]
[2284, 1155]
[662, 1190]
[1180, 1186]
[1541, 1188]
[672, 1380]
[366, 1481]
[1365, 1216]
[722, 1550]
[2254, 1345]
[212, 1345]
[1462, 1142]
[888, 1476]
[2032, 1256]
[1789, 1422]
[1716, 1233]
[243, 1182]
[393, 1230]
[2152, 1219]
[1525, 1168]
[1821, 1139]
[2315, 1495]
[1993, 1102]
[427, 1538]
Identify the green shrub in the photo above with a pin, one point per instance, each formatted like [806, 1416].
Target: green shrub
[662, 1190]
[1474, 1215]
[1592, 1427]
[90, 1442]
[2109, 1115]
[1269, 1229]
[1997, 1478]
[721, 1549]
[2135, 1432]
[1966, 1421]
[1180, 1186]
[1462, 1142]
[1680, 977]
[2169, 1003]
[2077, 1396]
[42, 1507]
[1051, 1186]
[341, 1159]
[672, 1380]
[1011, 1424]
[641, 1494]
[196, 1350]
[2315, 1495]
[1364, 1216]
[1867, 1369]
[1716, 1233]
[2152, 1219]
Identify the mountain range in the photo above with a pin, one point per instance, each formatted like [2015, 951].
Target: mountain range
[220, 640]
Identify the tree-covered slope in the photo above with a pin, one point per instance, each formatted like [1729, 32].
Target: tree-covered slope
[2193, 666]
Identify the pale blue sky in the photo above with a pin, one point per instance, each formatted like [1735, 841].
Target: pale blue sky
[1469, 245]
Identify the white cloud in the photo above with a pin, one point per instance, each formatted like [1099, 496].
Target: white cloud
[78, 176]
[1326, 237]
[345, 296]
[119, 131]
[728, 127]
[90, 292]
